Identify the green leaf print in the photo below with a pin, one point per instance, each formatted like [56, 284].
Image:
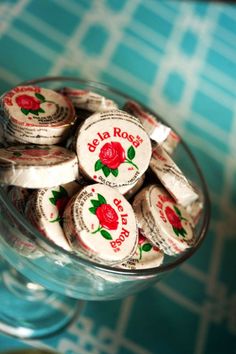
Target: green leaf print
[177, 211]
[93, 210]
[131, 152]
[25, 111]
[95, 203]
[115, 172]
[106, 170]
[101, 199]
[98, 165]
[147, 247]
[106, 234]
[40, 97]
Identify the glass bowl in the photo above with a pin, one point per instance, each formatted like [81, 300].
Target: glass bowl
[67, 275]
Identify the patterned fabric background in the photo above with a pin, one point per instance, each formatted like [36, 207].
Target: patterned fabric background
[180, 59]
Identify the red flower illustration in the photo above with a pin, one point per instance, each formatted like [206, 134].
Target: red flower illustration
[61, 204]
[173, 218]
[141, 237]
[143, 244]
[107, 217]
[36, 152]
[59, 198]
[112, 155]
[27, 102]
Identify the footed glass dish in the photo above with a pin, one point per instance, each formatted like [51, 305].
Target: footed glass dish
[41, 291]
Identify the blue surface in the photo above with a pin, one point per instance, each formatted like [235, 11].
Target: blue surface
[179, 58]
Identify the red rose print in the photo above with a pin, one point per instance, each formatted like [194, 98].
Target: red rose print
[143, 244]
[141, 238]
[36, 152]
[107, 217]
[61, 204]
[59, 199]
[156, 249]
[173, 218]
[28, 102]
[112, 155]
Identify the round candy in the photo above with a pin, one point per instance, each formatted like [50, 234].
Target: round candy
[195, 209]
[100, 223]
[146, 255]
[113, 148]
[172, 177]
[19, 197]
[36, 115]
[157, 131]
[45, 210]
[16, 237]
[88, 100]
[33, 166]
[165, 223]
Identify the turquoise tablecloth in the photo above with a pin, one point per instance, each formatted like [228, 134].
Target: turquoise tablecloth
[179, 58]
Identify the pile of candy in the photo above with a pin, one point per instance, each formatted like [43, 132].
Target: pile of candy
[71, 160]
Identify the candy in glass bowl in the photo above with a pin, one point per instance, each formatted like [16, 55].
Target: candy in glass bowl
[100, 198]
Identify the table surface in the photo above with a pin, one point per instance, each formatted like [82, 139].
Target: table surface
[180, 59]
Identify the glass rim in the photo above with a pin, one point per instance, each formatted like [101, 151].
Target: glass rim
[86, 261]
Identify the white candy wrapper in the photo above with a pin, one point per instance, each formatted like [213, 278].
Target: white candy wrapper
[33, 166]
[157, 131]
[146, 256]
[195, 209]
[171, 142]
[19, 197]
[32, 114]
[172, 177]
[45, 208]
[165, 223]
[88, 100]
[113, 148]
[100, 223]
[16, 237]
